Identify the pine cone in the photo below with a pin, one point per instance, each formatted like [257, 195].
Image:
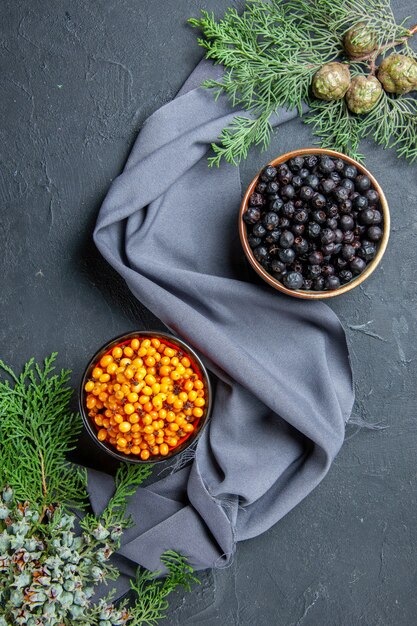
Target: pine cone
[359, 40]
[331, 81]
[363, 94]
[398, 73]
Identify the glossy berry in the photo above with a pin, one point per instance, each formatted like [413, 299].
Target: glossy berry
[301, 217]
[308, 284]
[272, 188]
[350, 171]
[362, 183]
[298, 229]
[287, 255]
[288, 209]
[348, 184]
[348, 252]
[329, 248]
[313, 181]
[318, 201]
[276, 205]
[366, 217]
[278, 267]
[357, 265]
[252, 215]
[284, 222]
[346, 222]
[297, 182]
[341, 194]
[345, 276]
[287, 191]
[313, 271]
[303, 173]
[270, 220]
[273, 236]
[367, 251]
[260, 253]
[374, 233]
[339, 165]
[293, 280]
[296, 163]
[287, 239]
[332, 282]
[327, 186]
[319, 216]
[318, 284]
[338, 235]
[269, 173]
[313, 230]
[372, 196]
[327, 236]
[360, 203]
[306, 193]
[315, 258]
[326, 164]
[300, 246]
[254, 241]
[259, 230]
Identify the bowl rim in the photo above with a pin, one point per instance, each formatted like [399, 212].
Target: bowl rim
[193, 437]
[315, 295]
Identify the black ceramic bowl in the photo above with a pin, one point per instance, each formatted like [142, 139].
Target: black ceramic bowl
[196, 364]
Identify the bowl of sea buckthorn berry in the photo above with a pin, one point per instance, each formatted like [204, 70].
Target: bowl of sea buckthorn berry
[145, 397]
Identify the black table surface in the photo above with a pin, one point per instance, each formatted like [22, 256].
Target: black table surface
[77, 81]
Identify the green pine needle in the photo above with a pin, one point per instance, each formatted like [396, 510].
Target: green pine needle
[270, 54]
[37, 430]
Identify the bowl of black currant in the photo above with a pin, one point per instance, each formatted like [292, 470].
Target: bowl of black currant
[314, 223]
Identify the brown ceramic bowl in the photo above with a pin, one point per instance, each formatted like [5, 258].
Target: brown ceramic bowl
[315, 295]
[197, 366]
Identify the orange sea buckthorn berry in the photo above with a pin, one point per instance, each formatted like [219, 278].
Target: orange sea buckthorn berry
[188, 385]
[178, 404]
[97, 372]
[165, 360]
[192, 395]
[119, 395]
[127, 351]
[89, 386]
[198, 384]
[169, 352]
[117, 352]
[135, 344]
[150, 361]
[188, 428]
[104, 378]
[102, 434]
[175, 375]
[199, 402]
[129, 373]
[118, 418]
[125, 427]
[197, 412]
[134, 418]
[148, 429]
[150, 380]
[183, 396]
[106, 360]
[185, 361]
[172, 441]
[155, 450]
[135, 428]
[144, 455]
[129, 409]
[170, 416]
[163, 449]
[111, 368]
[132, 397]
[135, 450]
[91, 402]
[156, 342]
[146, 420]
[174, 427]
[98, 420]
[174, 361]
[147, 391]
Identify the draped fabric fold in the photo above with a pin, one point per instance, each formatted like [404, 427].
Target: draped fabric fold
[169, 227]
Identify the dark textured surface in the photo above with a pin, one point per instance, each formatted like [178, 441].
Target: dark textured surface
[77, 80]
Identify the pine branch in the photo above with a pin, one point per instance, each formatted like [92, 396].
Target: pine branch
[37, 430]
[270, 54]
[151, 593]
